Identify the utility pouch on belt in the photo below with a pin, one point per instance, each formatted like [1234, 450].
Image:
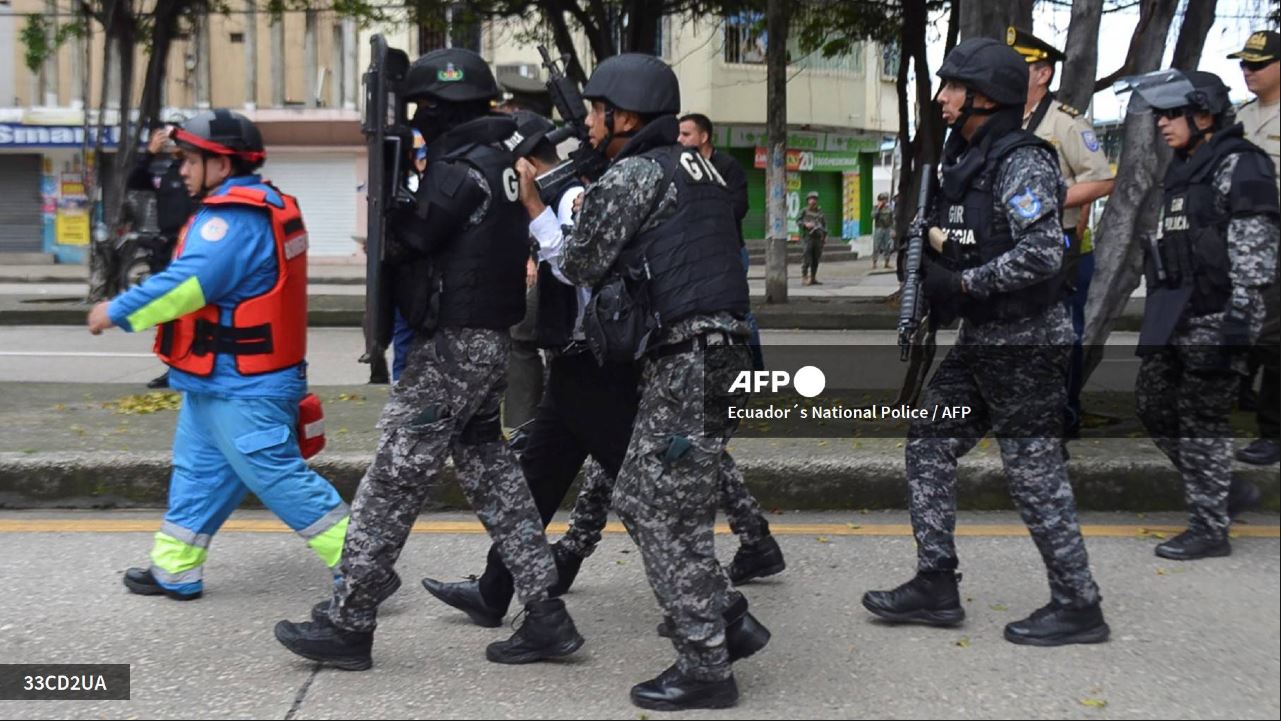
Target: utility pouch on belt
[311, 426]
[618, 321]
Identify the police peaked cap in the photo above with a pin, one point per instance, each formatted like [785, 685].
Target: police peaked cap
[636, 82]
[454, 75]
[989, 67]
[221, 132]
[1261, 47]
[1032, 48]
[530, 129]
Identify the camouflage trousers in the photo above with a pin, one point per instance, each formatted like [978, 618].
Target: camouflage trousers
[446, 402]
[666, 497]
[591, 508]
[1184, 397]
[1016, 392]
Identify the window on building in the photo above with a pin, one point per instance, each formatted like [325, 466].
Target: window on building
[237, 37]
[745, 38]
[891, 56]
[456, 28]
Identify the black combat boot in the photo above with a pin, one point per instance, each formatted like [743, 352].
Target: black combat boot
[466, 597]
[548, 632]
[1189, 546]
[1262, 452]
[930, 598]
[1056, 625]
[758, 560]
[567, 565]
[390, 585]
[673, 691]
[141, 582]
[744, 635]
[1242, 496]
[323, 642]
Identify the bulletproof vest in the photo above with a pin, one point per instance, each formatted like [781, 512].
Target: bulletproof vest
[1191, 250]
[482, 271]
[978, 233]
[557, 302]
[691, 260]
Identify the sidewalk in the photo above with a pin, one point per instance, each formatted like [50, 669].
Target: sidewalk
[851, 296]
[68, 445]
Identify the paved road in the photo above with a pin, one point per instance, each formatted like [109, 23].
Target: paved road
[1196, 640]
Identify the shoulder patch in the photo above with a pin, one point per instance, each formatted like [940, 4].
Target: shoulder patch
[1091, 140]
[1070, 110]
[1026, 205]
[214, 229]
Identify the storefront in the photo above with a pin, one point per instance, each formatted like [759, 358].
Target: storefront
[832, 164]
[43, 204]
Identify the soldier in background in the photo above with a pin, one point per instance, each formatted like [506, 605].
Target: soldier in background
[813, 236]
[882, 229]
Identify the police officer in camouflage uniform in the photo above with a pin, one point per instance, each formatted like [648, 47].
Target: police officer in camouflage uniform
[459, 281]
[1001, 270]
[657, 239]
[1215, 252]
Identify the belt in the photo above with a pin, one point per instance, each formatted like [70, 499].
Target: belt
[710, 339]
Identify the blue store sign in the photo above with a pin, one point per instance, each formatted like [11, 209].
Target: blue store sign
[17, 135]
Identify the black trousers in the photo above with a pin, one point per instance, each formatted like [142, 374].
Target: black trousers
[1268, 355]
[585, 410]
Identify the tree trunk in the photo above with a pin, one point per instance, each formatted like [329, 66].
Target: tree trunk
[1197, 20]
[927, 146]
[118, 44]
[565, 42]
[990, 18]
[1082, 50]
[1130, 216]
[776, 20]
[643, 20]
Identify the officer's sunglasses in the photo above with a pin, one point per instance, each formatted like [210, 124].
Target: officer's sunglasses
[1168, 113]
[1255, 66]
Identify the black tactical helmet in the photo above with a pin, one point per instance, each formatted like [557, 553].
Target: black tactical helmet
[636, 82]
[987, 66]
[1209, 94]
[451, 74]
[531, 128]
[222, 132]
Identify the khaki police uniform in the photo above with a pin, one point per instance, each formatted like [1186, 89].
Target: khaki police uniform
[1263, 128]
[1081, 157]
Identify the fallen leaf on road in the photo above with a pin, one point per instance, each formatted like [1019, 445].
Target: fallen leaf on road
[1160, 571]
[822, 539]
[145, 403]
[999, 607]
[1094, 702]
[855, 526]
[963, 642]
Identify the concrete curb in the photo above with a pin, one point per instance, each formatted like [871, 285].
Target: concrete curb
[140, 480]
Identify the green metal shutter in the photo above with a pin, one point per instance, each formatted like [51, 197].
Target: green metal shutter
[754, 222]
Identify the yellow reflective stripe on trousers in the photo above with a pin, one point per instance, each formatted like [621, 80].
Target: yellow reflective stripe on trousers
[173, 556]
[328, 544]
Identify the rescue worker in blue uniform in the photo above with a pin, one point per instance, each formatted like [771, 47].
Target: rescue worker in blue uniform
[232, 317]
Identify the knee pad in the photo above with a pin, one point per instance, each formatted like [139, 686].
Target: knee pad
[482, 429]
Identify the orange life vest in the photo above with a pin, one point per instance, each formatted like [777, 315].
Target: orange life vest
[268, 332]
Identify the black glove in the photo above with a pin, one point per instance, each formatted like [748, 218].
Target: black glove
[1236, 327]
[941, 285]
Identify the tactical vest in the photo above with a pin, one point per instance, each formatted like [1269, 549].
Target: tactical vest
[978, 233]
[268, 332]
[691, 261]
[1191, 248]
[482, 271]
[557, 302]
